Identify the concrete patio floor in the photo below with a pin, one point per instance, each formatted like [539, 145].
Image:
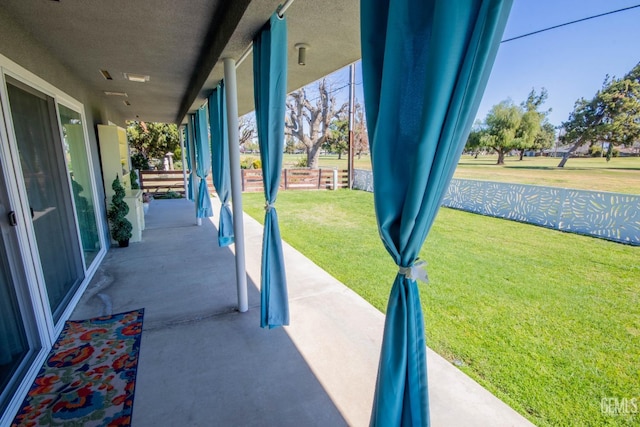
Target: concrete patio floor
[202, 363]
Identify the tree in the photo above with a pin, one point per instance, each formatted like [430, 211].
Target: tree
[532, 120]
[246, 129]
[360, 136]
[338, 139]
[546, 137]
[500, 127]
[580, 127]
[289, 145]
[612, 116]
[153, 140]
[338, 142]
[310, 122]
[474, 141]
[514, 127]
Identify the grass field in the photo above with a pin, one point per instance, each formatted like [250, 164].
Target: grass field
[547, 321]
[620, 175]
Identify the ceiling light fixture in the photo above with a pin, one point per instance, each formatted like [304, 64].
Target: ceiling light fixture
[140, 78]
[302, 53]
[106, 75]
[109, 93]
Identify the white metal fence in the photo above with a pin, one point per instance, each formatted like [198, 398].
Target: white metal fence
[611, 216]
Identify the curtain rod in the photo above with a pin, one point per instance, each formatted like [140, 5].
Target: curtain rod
[280, 11]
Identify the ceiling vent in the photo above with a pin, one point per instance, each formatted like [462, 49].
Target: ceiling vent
[106, 75]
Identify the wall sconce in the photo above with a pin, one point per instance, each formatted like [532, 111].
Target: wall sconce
[302, 53]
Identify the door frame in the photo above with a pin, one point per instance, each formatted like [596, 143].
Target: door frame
[34, 297]
[22, 279]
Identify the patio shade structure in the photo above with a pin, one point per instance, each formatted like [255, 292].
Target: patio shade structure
[220, 162]
[203, 163]
[425, 65]
[270, 91]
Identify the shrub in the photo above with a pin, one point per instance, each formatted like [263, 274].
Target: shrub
[302, 163]
[120, 226]
[134, 180]
[595, 151]
[140, 161]
[250, 163]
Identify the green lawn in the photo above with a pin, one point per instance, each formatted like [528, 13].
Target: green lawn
[547, 321]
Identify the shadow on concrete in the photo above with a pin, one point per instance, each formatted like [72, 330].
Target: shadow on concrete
[202, 363]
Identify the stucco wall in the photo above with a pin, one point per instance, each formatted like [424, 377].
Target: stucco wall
[18, 45]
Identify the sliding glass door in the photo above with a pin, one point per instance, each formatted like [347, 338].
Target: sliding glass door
[75, 153]
[41, 159]
[51, 238]
[16, 349]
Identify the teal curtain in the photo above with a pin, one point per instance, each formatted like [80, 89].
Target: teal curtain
[188, 132]
[220, 162]
[270, 91]
[203, 163]
[425, 64]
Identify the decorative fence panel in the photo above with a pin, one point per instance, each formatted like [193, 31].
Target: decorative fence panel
[363, 180]
[610, 216]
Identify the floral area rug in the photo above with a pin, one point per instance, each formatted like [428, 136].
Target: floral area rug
[89, 376]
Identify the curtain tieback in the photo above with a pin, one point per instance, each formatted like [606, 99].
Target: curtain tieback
[268, 206]
[226, 204]
[418, 271]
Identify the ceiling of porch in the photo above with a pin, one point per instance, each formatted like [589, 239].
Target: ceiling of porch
[180, 46]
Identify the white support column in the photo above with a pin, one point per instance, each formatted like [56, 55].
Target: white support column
[230, 87]
[352, 106]
[184, 163]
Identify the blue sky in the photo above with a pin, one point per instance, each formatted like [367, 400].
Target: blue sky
[570, 62]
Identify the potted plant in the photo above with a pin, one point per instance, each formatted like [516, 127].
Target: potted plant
[120, 226]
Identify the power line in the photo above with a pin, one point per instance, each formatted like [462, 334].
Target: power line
[570, 23]
[333, 90]
[521, 36]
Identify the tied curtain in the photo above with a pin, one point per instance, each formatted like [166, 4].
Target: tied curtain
[425, 64]
[270, 81]
[220, 162]
[203, 163]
